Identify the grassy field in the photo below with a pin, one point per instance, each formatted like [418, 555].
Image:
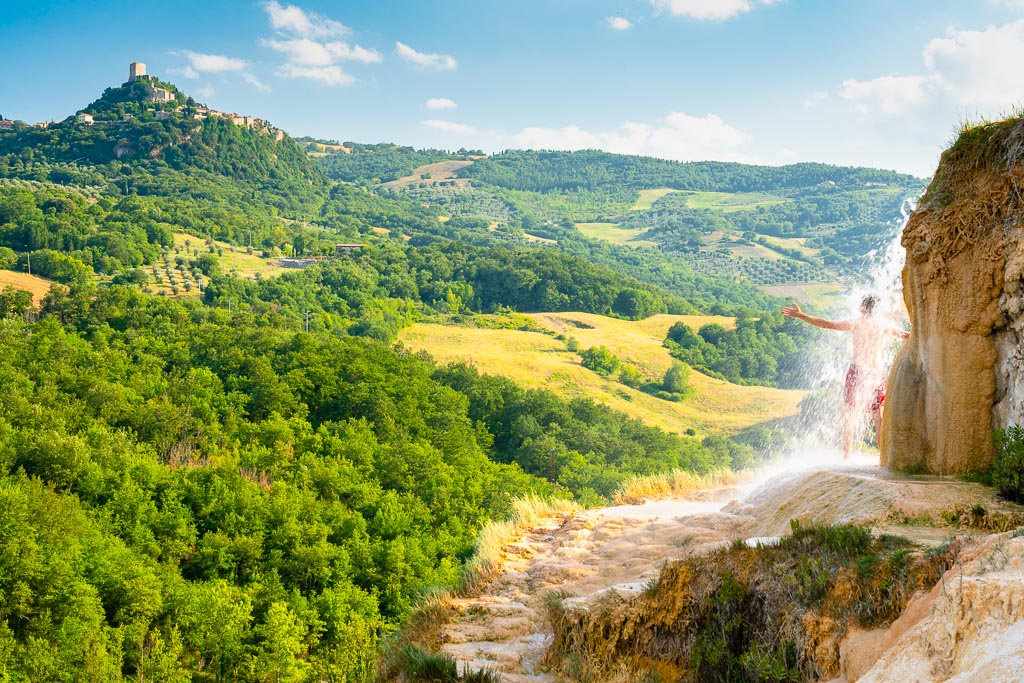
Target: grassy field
[728, 202]
[540, 361]
[442, 170]
[37, 286]
[237, 259]
[648, 197]
[610, 232]
[798, 243]
[824, 295]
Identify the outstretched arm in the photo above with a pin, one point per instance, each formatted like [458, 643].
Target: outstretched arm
[825, 324]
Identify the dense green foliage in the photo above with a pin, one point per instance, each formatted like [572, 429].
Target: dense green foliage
[593, 170]
[758, 351]
[588, 448]
[374, 163]
[1008, 464]
[175, 466]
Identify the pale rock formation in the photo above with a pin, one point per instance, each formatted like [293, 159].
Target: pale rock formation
[969, 628]
[961, 375]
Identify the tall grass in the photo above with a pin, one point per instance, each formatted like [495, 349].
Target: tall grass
[637, 489]
[528, 513]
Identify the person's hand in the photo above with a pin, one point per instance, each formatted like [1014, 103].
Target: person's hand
[792, 311]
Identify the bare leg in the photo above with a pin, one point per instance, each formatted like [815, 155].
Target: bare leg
[849, 432]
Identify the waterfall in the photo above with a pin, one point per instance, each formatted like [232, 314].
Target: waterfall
[815, 440]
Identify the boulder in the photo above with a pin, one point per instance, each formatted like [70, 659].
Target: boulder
[961, 374]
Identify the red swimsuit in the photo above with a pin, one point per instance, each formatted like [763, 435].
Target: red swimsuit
[850, 389]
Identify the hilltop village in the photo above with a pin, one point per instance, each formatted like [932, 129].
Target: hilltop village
[167, 102]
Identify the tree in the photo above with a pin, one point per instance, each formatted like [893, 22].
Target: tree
[600, 359]
[631, 376]
[677, 380]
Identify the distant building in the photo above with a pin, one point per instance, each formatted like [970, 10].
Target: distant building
[127, 117]
[347, 248]
[161, 95]
[86, 118]
[6, 124]
[136, 70]
[161, 115]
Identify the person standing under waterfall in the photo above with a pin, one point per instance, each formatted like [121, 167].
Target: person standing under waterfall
[864, 389]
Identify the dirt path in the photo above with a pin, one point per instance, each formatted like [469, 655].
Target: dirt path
[579, 556]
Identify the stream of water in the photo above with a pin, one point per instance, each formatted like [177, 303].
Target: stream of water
[815, 441]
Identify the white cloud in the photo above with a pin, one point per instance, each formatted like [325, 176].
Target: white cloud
[186, 72]
[619, 23]
[678, 136]
[292, 19]
[426, 61]
[213, 63]
[970, 68]
[453, 128]
[888, 94]
[206, 91]
[815, 98]
[439, 103]
[981, 68]
[303, 51]
[708, 10]
[329, 75]
[252, 80]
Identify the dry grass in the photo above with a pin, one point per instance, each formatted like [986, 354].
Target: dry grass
[640, 488]
[529, 513]
[648, 197]
[729, 202]
[230, 259]
[541, 362]
[442, 170]
[35, 285]
[610, 232]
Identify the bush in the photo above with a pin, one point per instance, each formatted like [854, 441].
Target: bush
[1008, 465]
[600, 359]
[7, 258]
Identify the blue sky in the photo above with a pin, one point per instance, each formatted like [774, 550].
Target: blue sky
[864, 82]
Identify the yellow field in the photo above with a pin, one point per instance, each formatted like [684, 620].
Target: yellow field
[37, 286]
[648, 197]
[539, 240]
[610, 232]
[728, 202]
[539, 361]
[442, 170]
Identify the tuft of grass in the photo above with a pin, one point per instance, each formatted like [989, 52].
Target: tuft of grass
[639, 488]
[412, 664]
[528, 513]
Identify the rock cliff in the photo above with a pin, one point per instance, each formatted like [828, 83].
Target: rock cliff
[961, 374]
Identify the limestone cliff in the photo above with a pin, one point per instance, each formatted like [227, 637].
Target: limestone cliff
[962, 373]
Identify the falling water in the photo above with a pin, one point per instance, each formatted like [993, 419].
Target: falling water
[814, 442]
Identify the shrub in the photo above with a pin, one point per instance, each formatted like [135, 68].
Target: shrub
[600, 359]
[631, 376]
[1008, 465]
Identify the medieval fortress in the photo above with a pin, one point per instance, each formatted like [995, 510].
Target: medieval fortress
[158, 95]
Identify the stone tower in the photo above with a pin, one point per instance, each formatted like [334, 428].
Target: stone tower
[136, 70]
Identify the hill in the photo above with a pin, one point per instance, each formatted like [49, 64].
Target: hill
[541, 361]
[771, 227]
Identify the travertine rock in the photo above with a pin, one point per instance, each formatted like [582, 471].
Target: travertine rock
[962, 373]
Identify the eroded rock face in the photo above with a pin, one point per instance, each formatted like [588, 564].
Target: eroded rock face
[961, 374]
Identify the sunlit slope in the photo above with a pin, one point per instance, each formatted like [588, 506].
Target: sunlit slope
[540, 361]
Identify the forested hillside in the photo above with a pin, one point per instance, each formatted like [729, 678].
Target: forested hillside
[666, 222]
[212, 477]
